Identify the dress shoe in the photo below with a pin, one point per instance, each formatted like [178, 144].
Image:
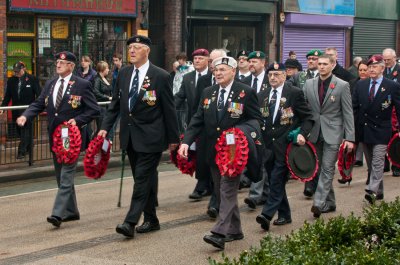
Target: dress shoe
[215, 240]
[54, 220]
[212, 212]
[250, 202]
[206, 193]
[282, 221]
[20, 156]
[308, 193]
[71, 218]
[195, 195]
[396, 173]
[233, 237]
[358, 163]
[328, 209]
[263, 221]
[316, 211]
[148, 227]
[370, 197]
[126, 229]
[378, 196]
[344, 181]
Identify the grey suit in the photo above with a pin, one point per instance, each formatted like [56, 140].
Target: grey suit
[333, 122]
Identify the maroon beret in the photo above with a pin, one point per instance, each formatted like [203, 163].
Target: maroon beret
[376, 58]
[200, 52]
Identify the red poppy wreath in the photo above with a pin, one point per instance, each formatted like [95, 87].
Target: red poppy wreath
[186, 166]
[96, 159]
[232, 159]
[66, 147]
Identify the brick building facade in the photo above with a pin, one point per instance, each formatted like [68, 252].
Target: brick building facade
[3, 41]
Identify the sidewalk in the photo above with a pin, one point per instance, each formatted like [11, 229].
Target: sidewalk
[45, 168]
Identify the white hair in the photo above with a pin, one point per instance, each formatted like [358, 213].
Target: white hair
[390, 51]
[219, 52]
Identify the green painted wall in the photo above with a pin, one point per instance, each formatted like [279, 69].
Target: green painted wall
[241, 6]
[379, 9]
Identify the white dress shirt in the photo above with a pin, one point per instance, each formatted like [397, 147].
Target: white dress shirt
[57, 86]
[142, 73]
[278, 100]
[260, 79]
[227, 91]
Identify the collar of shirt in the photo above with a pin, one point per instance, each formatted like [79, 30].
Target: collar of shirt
[378, 84]
[326, 82]
[278, 99]
[245, 74]
[260, 79]
[204, 72]
[57, 86]
[142, 74]
[227, 91]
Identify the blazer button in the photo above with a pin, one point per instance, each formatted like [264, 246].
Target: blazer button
[365, 124]
[129, 124]
[56, 114]
[218, 129]
[273, 128]
[376, 116]
[273, 139]
[263, 128]
[365, 114]
[130, 114]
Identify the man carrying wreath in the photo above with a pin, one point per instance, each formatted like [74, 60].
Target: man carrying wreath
[65, 98]
[222, 106]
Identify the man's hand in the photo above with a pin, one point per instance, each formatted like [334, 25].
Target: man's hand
[21, 121]
[1, 112]
[349, 146]
[172, 147]
[102, 133]
[183, 150]
[300, 139]
[72, 122]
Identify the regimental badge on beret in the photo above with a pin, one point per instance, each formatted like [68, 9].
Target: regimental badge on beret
[316, 53]
[276, 66]
[243, 52]
[137, 39]
[225, 61]
[258, 54]
[63, 56]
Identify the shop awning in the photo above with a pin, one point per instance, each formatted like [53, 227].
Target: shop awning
[242, 6]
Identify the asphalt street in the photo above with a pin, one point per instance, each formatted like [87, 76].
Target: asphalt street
[26, 237]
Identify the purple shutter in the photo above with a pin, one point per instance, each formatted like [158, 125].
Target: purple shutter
[302, 40]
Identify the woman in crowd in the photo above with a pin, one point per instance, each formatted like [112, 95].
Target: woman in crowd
[85, 70]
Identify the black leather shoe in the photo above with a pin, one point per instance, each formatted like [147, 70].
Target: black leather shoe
[148, 227]
[20, 156]
[396, 173]
[212, 212]
[71, 218]
[328, 209]
[379, 197]
[126, 229]
[206, 193]
[215, 240]
[250, 202]
[195, 195]
[282, 221]
[54, 220]
[233, 237]
[308, 193]
[263, 221]
[370, 197]
[316, 211]
[358, 163]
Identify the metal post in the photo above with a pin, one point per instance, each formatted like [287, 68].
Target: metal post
[122, 177]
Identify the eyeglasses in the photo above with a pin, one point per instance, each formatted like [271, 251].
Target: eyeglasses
[62, 62]
[135, 47]
[274, 74]
[312, 58]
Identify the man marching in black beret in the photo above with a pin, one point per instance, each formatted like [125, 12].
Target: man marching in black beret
[66, 98]
[143, 97]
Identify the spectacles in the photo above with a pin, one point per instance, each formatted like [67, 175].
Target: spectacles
[312, 58]
[274, 74]
[62, 62]
[135, 47]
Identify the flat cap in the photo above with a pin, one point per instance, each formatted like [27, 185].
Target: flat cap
[314, 52]
[66, 55]
[18, 66]
[276, 67]
[293, 63]
[243, 53]
[225, 60]
[139, 39]
[375, 59]
[257, 55]
[200, 52]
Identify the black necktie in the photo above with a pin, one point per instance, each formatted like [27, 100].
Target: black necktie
[372, 91]
[388, 70]
[133, 93]
[220, 104]
[198, 76]
[59, 93]
[213, 82]
[254, 86]
[321, 92]
[241, 77]
[19, 87]
[272, 104]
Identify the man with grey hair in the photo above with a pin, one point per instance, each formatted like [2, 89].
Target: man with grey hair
[222, 106]
[353, 69]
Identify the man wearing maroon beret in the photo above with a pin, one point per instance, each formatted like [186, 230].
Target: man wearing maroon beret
[373, 101]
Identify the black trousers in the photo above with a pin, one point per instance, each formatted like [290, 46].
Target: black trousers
[26, 138]
[145, 176]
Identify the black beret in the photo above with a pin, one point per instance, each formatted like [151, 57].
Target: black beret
[66, 55]
[139, 39]
[18, 66]
[292, 63]
[276, 67]
[243, 53]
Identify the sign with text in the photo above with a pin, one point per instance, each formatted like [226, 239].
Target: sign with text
[322, 7]
[117, 8]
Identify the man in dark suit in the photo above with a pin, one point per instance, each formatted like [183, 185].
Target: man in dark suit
[243, 65]
[258, 80]
[148, 126]
[214, 115]
[299, 79]
[373, 101]
[338, 70]
[66, 98]
[22, 89]
[392, 72]
[284, 110]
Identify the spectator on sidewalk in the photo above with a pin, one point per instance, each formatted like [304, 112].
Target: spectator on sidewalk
[85, 70]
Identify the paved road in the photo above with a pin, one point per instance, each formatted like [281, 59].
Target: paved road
[26, 237]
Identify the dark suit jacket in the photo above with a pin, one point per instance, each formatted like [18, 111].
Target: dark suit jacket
[299, 79]
[342, 73]
[265, 82]
[101, 90]
[203, 82]
[275, 134]
[373, 119]
[30, 90]
[150, 127]
[85, 111]
[394, 75]
[206, 115]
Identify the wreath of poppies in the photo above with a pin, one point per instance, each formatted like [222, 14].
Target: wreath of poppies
[186, 166]
[232, 159]
[67, 149]
[345, 165]
[96, 159]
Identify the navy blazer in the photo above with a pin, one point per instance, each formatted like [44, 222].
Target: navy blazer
[373, 122]
[77, 103]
